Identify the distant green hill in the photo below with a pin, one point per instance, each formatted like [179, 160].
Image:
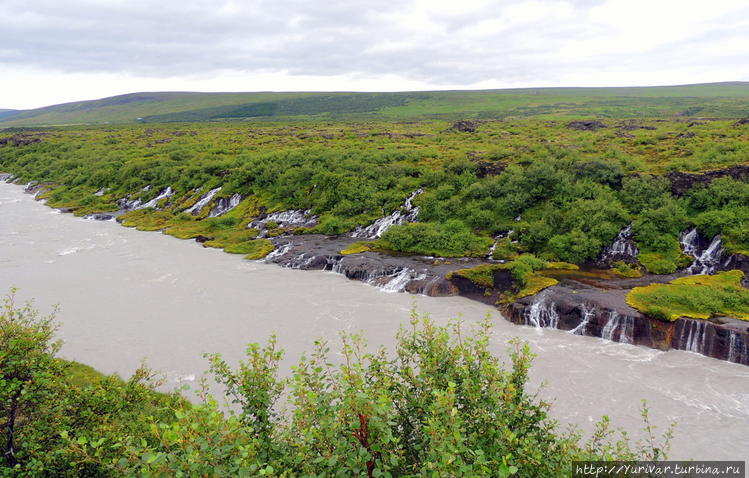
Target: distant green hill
[6, 113]
[706, 100]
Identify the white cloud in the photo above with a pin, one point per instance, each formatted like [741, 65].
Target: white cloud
[53, 51]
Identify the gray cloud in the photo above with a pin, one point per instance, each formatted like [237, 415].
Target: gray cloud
[173, 38]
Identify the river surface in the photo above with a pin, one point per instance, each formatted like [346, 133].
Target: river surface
[125, 295]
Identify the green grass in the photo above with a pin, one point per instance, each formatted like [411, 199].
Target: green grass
[698, 297]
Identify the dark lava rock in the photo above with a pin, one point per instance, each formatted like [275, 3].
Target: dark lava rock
[682, 182]
[633, 125]
[686, 135]
[201, 239]
[488, 168]
[464, 126]
[586, 125]
[20, 140]
[742, 122]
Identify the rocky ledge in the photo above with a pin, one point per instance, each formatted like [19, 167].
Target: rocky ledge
[582, 306]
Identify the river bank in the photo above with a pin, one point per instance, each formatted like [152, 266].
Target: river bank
[126, 295]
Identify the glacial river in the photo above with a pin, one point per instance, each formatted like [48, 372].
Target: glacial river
[126, 295]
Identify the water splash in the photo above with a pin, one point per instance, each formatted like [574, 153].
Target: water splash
[408, 213]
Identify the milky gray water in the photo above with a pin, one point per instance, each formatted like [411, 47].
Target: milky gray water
[126, 295]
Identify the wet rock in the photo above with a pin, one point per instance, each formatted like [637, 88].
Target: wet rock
[742, 122]
[586, 125]
[202, 239]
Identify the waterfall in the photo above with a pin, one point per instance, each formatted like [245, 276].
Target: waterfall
[278, 252]
[623, 246]
[398, 281]
[168, 192]
[587, 314]
[290, 218]
[497, 238]
[202, 202]
[378, 228]
[224, 205]
[737, 351]
[625, 326]
[705, 261]
[334, 264]
[709, 259]
[100, 192]
[627, 331]
[129, 204]
[542, 314]
[693, 336]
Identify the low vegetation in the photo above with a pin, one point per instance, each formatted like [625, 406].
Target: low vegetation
[526, 271]
[442, 405]
[698, 297]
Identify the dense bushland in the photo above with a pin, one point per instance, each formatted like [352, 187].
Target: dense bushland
[564, 193]
[441, 405]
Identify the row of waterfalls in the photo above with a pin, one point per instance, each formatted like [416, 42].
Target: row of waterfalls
[691, 335]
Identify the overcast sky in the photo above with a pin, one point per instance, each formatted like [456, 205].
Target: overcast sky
[54, 51]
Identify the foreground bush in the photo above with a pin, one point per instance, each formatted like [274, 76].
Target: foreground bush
[442, 405]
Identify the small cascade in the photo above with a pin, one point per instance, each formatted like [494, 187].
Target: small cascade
[709, 260]
[153, 203]
[128, 204]
[690, 242]
[334, 264]
[693, 336]
[588, 313]
[706, 261]
[407, 213]
[202, 202]
[542, 314]
[224, 205]
[497, 239]
[618, 328]
[101, 192]
[293, 218]
[737, 351]
[398, 281]
[623, 247]
[278, 252]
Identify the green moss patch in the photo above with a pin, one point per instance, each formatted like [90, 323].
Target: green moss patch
[698, 297]
[356, 248]
[258, 249]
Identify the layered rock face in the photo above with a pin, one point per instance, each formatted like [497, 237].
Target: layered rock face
[605, 314]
